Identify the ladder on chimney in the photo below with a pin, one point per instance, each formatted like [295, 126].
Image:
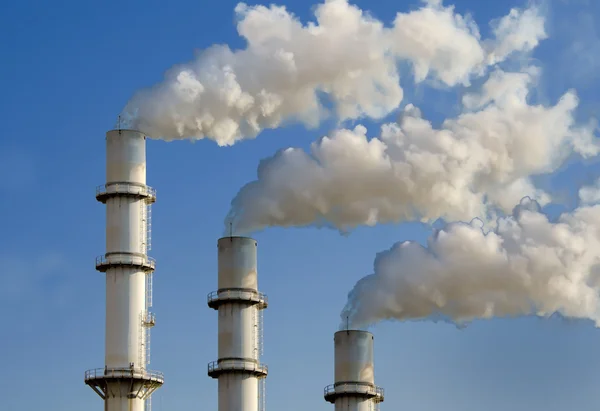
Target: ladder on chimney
[148, 327]
[147, 321]
[146, 324]
[142, 338]
[149, 277]
[146, 227]
[260, 332]
[262, 395]
[148, 404]
[257, 320]
[255, 334]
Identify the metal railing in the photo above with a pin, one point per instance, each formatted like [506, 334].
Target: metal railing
[148, 318]
[237, 365]
[148, 375]
[354, 388]
[126, 188]
[126, 259]
[233, 294]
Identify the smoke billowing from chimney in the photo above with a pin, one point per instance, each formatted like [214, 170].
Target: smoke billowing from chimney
[348, 56]
[472, 166]
[528, 265]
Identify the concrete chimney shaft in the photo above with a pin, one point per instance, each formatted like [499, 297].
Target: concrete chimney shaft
[354, 388]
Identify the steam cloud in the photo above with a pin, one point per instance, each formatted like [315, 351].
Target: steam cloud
[228, 95]
[474, 164]
[528, 265]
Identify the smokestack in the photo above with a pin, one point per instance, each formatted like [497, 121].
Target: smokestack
[354, 388]
[240, 305]
[125, 383]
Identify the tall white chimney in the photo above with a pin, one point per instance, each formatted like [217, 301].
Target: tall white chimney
[125, 383]
[354, 388]
[240, 305]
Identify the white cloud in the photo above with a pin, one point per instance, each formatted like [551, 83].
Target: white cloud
[520, 30]
[590, 195]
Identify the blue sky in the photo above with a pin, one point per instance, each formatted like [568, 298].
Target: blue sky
[69, 69]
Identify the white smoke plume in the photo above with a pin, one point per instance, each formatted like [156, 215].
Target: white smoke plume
[470, 167]
[528, 265]
[348, 56]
